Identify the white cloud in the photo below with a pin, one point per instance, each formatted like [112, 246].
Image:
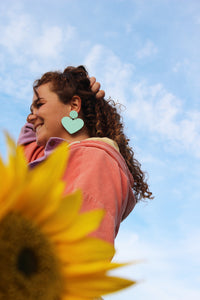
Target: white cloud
[48, 44]
[23, 38]
[93, 57]
[36, 47]
[69, 33]
[128, 28]
[152, 107]
[163, 274]
[185, 65]
[52, 42]
[115, 74]
[15, 32]
[191, 246]
[149, 49]
[161, 112]
[20, 89]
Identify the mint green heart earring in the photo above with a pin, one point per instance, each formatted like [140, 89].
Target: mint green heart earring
[72, 124]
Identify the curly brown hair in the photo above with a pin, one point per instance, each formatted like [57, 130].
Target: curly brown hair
[100, 116]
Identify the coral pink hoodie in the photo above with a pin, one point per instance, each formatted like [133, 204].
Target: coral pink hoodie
[98, 169]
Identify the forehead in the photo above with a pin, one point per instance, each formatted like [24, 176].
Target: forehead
[42, 91]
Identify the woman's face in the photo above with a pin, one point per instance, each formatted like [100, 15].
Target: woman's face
[47, 112]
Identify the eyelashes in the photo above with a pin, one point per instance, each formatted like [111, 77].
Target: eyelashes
[38, 105]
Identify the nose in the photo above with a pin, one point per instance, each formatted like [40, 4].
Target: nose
[31, 118]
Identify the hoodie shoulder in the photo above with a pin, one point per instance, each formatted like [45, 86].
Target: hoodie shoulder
[103, 146]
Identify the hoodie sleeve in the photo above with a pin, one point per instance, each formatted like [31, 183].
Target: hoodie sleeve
[27, 138]
[104, 186]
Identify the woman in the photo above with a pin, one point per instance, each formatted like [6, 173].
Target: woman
[101, 163]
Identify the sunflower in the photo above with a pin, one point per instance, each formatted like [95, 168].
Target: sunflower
[45, 250]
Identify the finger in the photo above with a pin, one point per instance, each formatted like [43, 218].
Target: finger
[28, 118]
[96, 87]
[100, 94]
[92, 80]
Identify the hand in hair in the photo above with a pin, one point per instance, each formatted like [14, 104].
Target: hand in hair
[95, 87]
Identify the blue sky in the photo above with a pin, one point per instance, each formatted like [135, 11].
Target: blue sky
[145, 53]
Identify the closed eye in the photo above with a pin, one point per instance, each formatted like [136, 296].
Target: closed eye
[39, 104]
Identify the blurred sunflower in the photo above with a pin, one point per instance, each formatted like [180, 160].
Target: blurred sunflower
[45, 251]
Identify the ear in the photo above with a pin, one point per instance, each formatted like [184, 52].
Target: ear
[76, 103]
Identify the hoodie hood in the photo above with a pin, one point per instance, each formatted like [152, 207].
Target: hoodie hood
[112, 150]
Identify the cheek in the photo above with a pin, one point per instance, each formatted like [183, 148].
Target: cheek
[54, 124]
[59, 115]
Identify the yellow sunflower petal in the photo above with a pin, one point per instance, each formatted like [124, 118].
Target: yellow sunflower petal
[64, 215]
[36, 205]
[95, 286]
[2, 168]
[10, 197]
[42, 181]
[94, 268]
[48, 211]
[85, 250]
[84, 224]
[17, 160]
[53, 168]
[5, 208]
[67, 297]
[12, 175]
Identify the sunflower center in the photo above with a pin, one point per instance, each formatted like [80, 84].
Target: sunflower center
[27, 262]
[29, 267]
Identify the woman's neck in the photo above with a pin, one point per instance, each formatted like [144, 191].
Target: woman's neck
[79, 136]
